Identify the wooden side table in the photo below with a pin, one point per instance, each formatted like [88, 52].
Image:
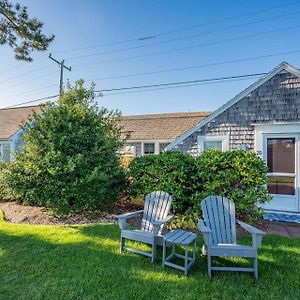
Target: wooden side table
[182, 238]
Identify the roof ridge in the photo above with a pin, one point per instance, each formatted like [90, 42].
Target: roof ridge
[170, 115]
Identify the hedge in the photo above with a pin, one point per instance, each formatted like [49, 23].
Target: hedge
[238, 175]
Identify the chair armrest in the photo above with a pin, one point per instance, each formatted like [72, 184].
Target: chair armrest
[157, 224]
[206, 232]
[257, 234]
[122, 218]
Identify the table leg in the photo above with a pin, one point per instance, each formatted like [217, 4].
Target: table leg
[186, 259]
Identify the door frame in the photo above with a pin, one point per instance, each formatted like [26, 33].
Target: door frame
[289, 130]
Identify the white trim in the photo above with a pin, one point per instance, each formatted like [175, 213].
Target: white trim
[287, 130]
[283, 66]
[217, 138]
[155, 142]
[149, 141]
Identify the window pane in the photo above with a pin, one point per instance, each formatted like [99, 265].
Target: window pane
[149, 148]
[217, 145]
[281, 185]
[281, 155]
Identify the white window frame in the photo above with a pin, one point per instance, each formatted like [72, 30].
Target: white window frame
[155, 148]
[216, 138]
[155, 142]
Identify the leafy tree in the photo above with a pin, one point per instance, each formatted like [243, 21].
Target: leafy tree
[69, 159]
[20, 32]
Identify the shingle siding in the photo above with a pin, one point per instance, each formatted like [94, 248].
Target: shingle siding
[277, 100]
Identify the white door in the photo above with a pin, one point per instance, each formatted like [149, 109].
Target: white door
[280, 152]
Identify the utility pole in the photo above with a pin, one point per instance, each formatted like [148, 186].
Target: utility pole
[62, 67]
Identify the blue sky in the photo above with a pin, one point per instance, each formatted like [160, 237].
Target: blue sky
[81, 27]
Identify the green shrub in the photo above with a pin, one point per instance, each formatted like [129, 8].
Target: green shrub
[238, 175]
[169, 172]
[69, 160]
[5, 192]
[187, 220]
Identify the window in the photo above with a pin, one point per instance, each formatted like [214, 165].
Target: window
[281, 165]
[5, 151]
[149, 148]
[217, 145]
[220, 143]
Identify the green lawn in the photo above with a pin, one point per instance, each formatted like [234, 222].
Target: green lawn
[83, 262]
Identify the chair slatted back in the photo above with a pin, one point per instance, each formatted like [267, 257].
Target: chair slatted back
[219, 216]
[157, 207]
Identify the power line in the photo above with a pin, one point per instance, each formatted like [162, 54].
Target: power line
[24, 74]
[29, 80]
[183, 37]
[195, 66]
[178, 83]
[158, 86]
[227, 19]
[31, 91]
[190, 47]
[179, 38]
[31, 101]
[174, 87]
[136, 39]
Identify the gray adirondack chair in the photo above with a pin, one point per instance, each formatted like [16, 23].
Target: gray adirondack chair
[155, 215]
[219, 233]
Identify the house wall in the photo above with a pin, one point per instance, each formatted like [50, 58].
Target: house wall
[277, 100]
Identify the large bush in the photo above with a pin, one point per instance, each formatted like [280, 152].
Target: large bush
[69, 160]
[238, 175]
[169, 171]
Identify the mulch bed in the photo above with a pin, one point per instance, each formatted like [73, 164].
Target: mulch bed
[26, 214]
[23, 214]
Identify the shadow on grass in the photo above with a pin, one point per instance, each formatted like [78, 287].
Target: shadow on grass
[83, 262]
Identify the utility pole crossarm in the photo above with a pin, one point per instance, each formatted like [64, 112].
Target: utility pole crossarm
[62, 67]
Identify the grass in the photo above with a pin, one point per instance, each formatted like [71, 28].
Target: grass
[83, 262]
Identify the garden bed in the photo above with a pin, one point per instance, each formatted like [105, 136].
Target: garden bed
[23, 214]
[26, 214]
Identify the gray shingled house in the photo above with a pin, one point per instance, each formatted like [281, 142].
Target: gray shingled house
[10, 129]
[265, 118]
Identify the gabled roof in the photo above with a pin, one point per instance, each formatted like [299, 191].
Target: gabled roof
[139, 127]
[160, 126]
[11, 119]
[284, 66]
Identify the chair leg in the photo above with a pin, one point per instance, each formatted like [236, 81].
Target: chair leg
[153, 251]
[164, 254]
[255, 267]
[209, 264]
[122, 244]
